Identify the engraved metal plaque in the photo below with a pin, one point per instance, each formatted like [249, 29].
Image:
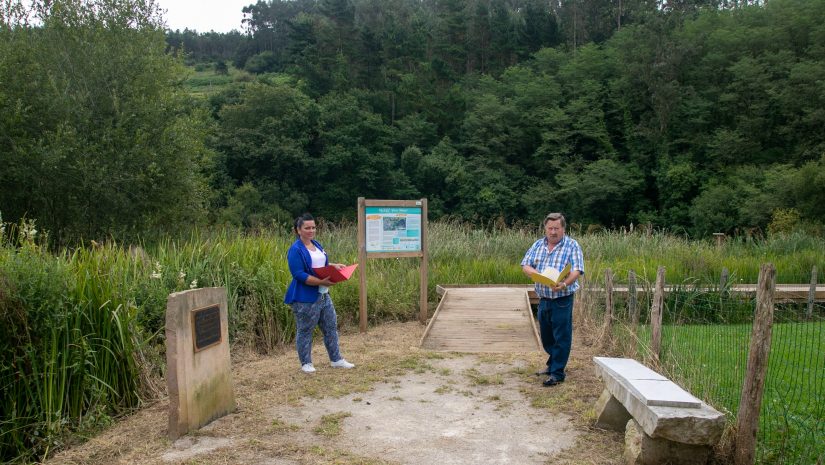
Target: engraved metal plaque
[206, 326]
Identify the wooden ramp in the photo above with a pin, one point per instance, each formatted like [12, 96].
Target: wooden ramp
[482, 320]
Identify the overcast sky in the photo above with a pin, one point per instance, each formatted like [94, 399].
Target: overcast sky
[204, 15]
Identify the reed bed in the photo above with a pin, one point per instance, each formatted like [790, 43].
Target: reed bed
[81, 336]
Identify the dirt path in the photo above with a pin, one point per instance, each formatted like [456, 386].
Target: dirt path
[400, 405]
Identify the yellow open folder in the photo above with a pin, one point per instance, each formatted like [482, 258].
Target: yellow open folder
[551, 277]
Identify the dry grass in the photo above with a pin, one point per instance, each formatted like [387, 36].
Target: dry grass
[382, 354]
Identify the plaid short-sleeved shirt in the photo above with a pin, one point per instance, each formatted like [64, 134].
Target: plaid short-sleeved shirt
[540, 257]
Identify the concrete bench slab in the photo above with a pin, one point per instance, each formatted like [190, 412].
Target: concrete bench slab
[650, 387]
[660, 407]
[627, 368]
[663, 394]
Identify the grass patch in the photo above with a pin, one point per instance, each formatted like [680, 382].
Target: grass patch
[323, 455]
[204, 81]
[478, 379]
[330, 425]
[416, 364]
[280, 426]
[443, 389]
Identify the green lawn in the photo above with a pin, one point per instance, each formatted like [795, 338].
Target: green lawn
[203, 81]
[710, 361]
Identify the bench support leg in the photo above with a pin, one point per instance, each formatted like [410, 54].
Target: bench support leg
[641, 449]
[610, 413]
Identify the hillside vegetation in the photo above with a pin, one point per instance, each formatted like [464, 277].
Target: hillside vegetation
[695, 117]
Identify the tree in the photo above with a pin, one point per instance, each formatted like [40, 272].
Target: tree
[438, 175]
[265, 137]
[96, 136]
[605, 192]
[355, 158]
[221, 68]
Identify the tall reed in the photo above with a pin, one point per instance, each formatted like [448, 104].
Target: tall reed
[81, 332]
[68, 346]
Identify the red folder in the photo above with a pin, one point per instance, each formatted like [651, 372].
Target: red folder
[335, 275]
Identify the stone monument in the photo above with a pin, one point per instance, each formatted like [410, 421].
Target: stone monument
[198, 373]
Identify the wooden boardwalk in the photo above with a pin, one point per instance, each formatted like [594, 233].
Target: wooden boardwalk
[477, 320]
[784, 292]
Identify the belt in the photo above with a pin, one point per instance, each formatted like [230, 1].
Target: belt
[555, 298]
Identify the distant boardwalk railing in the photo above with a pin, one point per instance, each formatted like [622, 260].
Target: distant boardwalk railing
[784, 292]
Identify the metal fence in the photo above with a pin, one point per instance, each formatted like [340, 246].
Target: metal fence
[706, 333]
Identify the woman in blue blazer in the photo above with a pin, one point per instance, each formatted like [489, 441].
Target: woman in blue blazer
[308, 295]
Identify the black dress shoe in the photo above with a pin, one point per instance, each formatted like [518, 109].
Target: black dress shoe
[543, 373]
[552, 381]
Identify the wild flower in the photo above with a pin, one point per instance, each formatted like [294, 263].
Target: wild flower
[28, 233]
[158, 273]
[181, 275]
[2, 229]
[193, 284]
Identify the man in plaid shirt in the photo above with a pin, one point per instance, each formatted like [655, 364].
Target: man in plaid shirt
[555, 313]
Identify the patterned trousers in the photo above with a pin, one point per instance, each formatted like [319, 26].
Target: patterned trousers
[320, 313]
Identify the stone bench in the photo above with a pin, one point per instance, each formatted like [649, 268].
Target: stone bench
[663, 423]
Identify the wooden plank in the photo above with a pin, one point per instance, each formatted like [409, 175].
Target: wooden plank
[423, 304]
[391, 203]
[432, 320]
[482, 320]
[362, 272]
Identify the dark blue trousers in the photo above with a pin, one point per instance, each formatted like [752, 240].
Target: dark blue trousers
[556, 326]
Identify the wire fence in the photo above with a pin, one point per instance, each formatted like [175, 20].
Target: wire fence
[706, 335]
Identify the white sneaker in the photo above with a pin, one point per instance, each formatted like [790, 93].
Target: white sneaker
[342, 364]
[307, 368]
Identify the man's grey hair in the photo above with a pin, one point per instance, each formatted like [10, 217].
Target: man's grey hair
[554, 217]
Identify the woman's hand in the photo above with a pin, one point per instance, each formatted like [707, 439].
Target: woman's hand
[316, 281]
[338, 266]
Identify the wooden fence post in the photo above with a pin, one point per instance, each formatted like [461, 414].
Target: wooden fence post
[723, 282]
[633, 310]
[812, 294]
[656, 314]
[582, 298]
[632, 304]
[754, 384]
[608, 302]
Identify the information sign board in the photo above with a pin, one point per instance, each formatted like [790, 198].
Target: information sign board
[393, 229]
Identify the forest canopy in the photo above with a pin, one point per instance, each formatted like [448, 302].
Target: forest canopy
[692, 116]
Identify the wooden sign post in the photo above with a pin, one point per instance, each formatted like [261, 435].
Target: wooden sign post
[391, 229]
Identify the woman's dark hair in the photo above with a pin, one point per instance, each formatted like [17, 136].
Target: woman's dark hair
[300, 221]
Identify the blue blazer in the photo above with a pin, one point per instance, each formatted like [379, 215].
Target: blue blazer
[300, 265]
